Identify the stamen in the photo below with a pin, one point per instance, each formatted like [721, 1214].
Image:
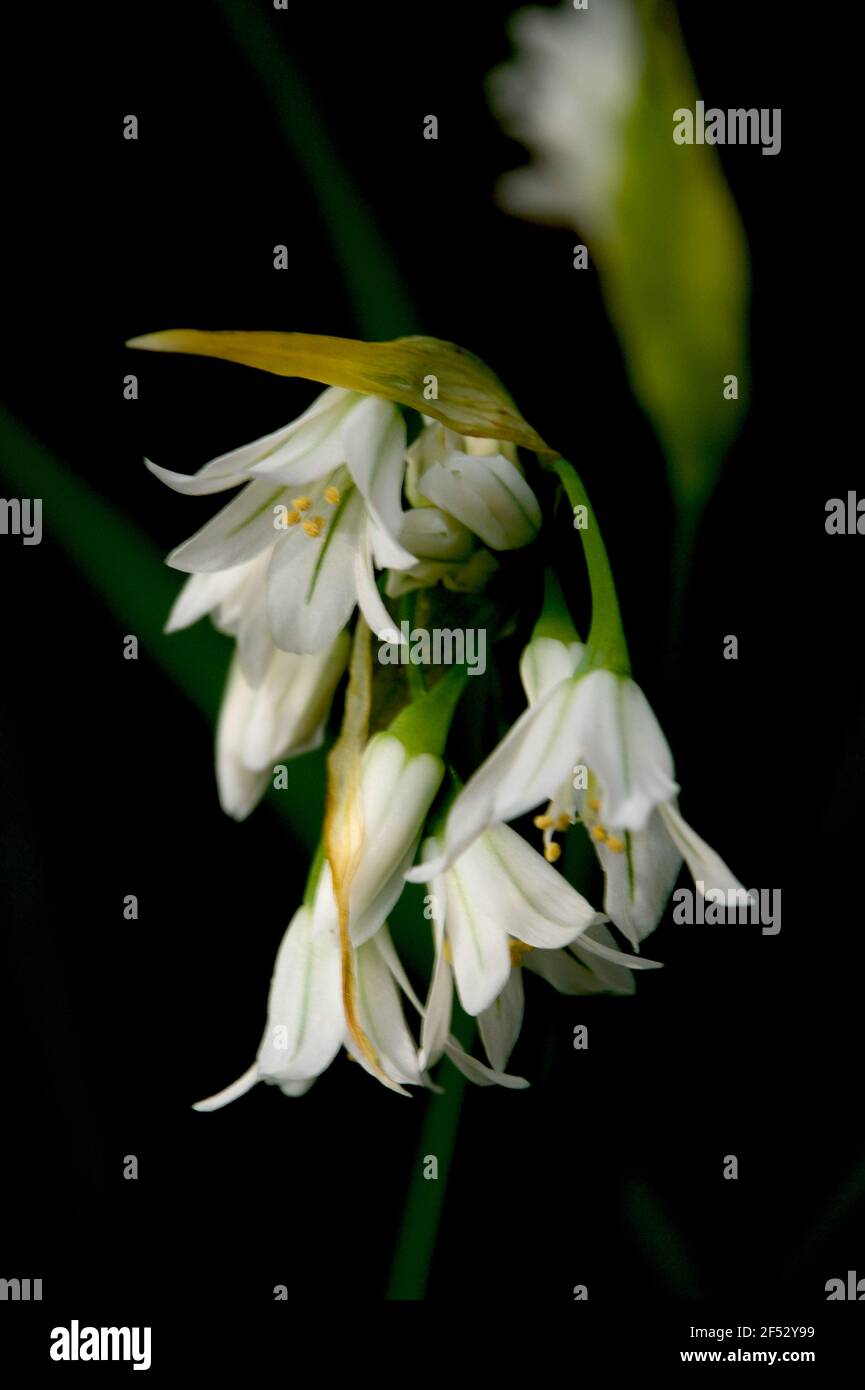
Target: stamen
[599, 833]
[331, 495]
[615, 844]
[563, 821]
[315, 527]
[518, 949]
[292, 518]
[594, 804]
[543, 822]
[302, 504]
[552, 852]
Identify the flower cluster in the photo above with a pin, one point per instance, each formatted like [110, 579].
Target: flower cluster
[339, 511]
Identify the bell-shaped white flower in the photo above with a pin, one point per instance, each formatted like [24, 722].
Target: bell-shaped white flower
[275, 703]
[475, 481]
[397, 790]
[602, 721]
[498, 891]
[306, 1024]
[499, 907]
[567, 96]
[282, 718]
[323, 505]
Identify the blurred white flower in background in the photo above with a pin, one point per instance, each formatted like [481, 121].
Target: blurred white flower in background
[567, 97]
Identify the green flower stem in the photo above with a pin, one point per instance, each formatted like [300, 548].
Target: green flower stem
[422, 1213]
[606, 642]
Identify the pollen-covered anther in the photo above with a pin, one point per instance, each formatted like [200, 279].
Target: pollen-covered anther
[616, 844]
[302, 504]
[518, 949]
[332, 495]
[594, 804]
[552, 852]
[599, 833]
[563, 821]
[315, 526]
[292, 518]
[543, 822]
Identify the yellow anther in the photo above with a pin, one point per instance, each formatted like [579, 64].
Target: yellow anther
[331, 495]
[519, 949]
[552, 851]
[615, 844]
[543, 822]
[292, 518]
[563, 821]
[599, 833]
[594, 804]
[448, 953]
[314, 527]
[302, 504]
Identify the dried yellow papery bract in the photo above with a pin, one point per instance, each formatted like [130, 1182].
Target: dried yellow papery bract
[467, 396]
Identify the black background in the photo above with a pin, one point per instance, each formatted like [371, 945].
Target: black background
[609, 1172]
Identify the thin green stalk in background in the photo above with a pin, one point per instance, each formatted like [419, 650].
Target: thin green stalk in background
[381, 303]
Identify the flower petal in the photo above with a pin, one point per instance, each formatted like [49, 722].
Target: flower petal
[236, 534]
[546, 661]
[527, 767]
[382, 1018]
[374, 444]
[291, 704]
[500, 1024]
[439, 1004]
[313, 447]
[531, 899]
[478, 939]
[625, 747]
[640, 878]
[430, 534]
[240, 789]
[311, 588]
[479, 1074]
[202, 594]
[237, 1088]
[305, 1024]
[705, 865]
[228, 470]
[368, 598]
[488, 495]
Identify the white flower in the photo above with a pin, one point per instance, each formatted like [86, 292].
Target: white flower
[499, 906]
[283, 717]
[602, 721]
[323, 503]
[397, 790]
[305, 1020]
[500, 890]
[567, 97]
[475, 481]
[275, 703]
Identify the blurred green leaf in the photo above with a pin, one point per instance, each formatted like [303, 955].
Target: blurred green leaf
[675, 274]
[128, 573]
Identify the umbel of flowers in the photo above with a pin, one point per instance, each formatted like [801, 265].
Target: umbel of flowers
[413, 478]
